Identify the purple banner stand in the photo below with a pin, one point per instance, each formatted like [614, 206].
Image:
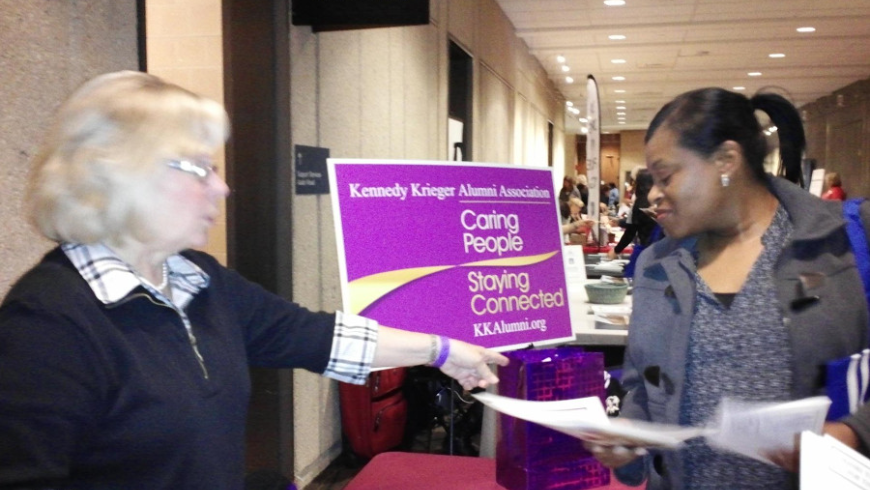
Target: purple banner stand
[471, 251]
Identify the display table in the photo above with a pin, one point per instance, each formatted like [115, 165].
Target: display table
[422, 471]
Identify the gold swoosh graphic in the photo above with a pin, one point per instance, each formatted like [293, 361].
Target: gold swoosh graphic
[366, 290]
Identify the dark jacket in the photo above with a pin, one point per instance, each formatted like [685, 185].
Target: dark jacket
[664, 300]
[96, 396]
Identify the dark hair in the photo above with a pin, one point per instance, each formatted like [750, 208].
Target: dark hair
[643, 184]
[703, 119]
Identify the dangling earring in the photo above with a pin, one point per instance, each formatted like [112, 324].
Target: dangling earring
[726, 180]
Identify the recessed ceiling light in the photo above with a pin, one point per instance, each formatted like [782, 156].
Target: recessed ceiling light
[616, 37]
[584, 120]
[619, 91]
[566, 68]
[569, 80]
[777, 55]
[618, 79]
[569, 103]
[620, 108]
[739, 88]
[617, 61]
[806, 29]
[754, 74]
[620, 113]
[584, 130]
[560, 59]
[614, 3]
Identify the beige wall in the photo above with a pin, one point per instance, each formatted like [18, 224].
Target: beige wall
[184, 46]
[382, 93]
[48, 49]
[630, 153]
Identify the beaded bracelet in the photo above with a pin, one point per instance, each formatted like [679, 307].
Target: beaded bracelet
[443, 353]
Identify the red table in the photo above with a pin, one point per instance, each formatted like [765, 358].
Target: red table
[423, 471]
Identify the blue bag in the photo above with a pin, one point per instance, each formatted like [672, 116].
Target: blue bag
[847, 379]
[637, 249]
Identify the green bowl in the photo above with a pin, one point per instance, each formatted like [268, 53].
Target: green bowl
[606, 293]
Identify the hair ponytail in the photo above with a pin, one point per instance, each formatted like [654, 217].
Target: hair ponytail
[789, 129]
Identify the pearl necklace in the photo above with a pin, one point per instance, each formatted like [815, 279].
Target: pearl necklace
[162, 285]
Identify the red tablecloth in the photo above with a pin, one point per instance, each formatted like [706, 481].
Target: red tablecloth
[422, 471]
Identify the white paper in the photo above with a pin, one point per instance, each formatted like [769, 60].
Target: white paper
[828, 464]
[612, 314]
[584, 418]
[762, 430]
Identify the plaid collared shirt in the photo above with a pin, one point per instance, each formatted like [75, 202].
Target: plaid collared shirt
[111, 279]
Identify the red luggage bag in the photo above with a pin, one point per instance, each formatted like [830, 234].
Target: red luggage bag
[374, 415]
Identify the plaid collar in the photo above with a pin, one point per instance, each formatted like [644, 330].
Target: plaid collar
[112, 279]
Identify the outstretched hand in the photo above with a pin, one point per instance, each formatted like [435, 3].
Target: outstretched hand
[468, 364]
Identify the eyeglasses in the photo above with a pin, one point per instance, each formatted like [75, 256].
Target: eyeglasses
[199, 168]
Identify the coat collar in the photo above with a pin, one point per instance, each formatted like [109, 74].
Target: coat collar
[812, 219]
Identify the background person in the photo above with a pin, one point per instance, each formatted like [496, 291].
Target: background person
[835, 190]
[574, 223]
[564, 194]
[124, 353]
[581, 190]
[715, 312]
[641, 225]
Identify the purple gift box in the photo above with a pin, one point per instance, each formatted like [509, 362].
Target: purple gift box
[530, 456]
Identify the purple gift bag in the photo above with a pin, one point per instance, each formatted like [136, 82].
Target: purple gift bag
[530, 456]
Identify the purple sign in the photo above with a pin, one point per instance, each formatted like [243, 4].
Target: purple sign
[473, 252]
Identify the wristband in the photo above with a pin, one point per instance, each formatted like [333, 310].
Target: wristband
[433, 349]
[443, 353]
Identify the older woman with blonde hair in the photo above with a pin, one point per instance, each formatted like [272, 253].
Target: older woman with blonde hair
[835, 190]
[125, 352]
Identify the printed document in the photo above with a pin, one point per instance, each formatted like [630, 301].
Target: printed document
[827, 464]
[757, 430]
[584, 418]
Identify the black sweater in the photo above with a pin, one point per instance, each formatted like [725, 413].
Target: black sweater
[111, 396]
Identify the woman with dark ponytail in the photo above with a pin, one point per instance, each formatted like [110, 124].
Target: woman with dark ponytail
[749, 295]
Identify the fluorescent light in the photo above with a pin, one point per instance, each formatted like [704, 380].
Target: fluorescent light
[754, 74]
[584, 130]
[620, 113]
[621, 122]
[569, 103]
[560, 59]
[617, 61]
[777, 55]
[616, 37]
[619, 101]
[618, 79]
[565, 68]
[614, 3]
[806, 29]
[569, 80]
[619, 91]
[620, 108]
[584, 120]
[739, 88]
